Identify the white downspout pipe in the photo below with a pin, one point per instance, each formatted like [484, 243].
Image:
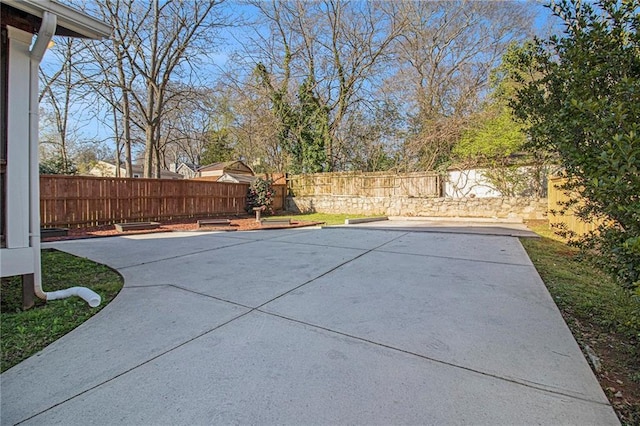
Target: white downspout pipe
[45, 34]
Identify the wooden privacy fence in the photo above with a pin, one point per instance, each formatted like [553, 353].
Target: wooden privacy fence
[374, 184]
[76, 201]
[279, 196]
[556, 199]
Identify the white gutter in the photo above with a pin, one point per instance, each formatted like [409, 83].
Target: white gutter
[69, 18]
[45, 34]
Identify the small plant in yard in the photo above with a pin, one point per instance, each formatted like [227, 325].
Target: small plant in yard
[25, 332]
[260, 194]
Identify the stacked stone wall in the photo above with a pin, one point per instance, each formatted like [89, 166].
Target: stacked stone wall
[495, 207]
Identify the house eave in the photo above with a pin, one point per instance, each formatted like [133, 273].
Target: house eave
[71, 22]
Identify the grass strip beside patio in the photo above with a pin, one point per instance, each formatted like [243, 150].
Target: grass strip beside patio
[25, 333]
[600, 313]
[328, 219]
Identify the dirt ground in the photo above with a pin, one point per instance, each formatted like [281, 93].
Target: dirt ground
[619, 372]
[237, 224]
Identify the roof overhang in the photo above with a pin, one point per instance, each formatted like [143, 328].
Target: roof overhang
[71, 22]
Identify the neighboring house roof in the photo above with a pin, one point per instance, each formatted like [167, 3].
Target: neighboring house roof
[236, 167]
[187, 170]
[190, 166]
[164, 174]
[236, 178]
[214, 166]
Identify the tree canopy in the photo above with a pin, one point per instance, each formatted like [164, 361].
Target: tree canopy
[323, 85]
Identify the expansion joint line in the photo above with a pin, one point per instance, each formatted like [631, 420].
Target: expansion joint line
[531, 385]
[251, 310]
[435, 256]
[136, 366]
[330, 271]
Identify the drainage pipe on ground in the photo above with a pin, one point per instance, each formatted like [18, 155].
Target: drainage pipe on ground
[45, 34]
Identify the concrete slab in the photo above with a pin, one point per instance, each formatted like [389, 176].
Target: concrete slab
[352, 326]
[502, 227]
[492, 318]
[139, 325]
[125, 251]
[265, 370]
[343, 237]
[460, 219]
[249, 274]
[364, 220]
[268, 234]
[486, 248]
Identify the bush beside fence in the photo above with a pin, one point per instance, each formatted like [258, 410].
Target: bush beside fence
[565, 220]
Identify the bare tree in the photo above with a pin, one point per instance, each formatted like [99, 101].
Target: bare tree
[151, 59]
[256, 131]
[445, 54]
[333, 48]
[313, 81]
[188, 122]
[58, 88]
[111, 77]
[173, 36]
[62, 97]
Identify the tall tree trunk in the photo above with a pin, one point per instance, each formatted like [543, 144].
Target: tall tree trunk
[157, 160]
[126, 118]
[118, 140]
[126, 115]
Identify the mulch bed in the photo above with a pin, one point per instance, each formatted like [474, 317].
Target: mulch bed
[186, 225]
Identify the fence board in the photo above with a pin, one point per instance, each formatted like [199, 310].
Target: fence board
[75, 201]
[570, 222]
[375, 184]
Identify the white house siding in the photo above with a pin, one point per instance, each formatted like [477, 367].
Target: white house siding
[186, 171]
[17, 256]
[20, 253]
[526, 181]
[466, 183]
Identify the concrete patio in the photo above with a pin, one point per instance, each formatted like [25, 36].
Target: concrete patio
[313, 326]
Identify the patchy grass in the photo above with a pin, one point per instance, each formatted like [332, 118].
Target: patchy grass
[329, 219]
[600, 314]
[26, 332]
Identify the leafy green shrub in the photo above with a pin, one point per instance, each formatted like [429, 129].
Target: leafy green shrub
[260, 194]
[613, 251]
[585, 106]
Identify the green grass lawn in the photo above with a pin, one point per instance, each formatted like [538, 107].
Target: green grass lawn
[600, 314]
[329, 219]
[26, 332]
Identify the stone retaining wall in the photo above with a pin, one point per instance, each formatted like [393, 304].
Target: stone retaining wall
[499, 207]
